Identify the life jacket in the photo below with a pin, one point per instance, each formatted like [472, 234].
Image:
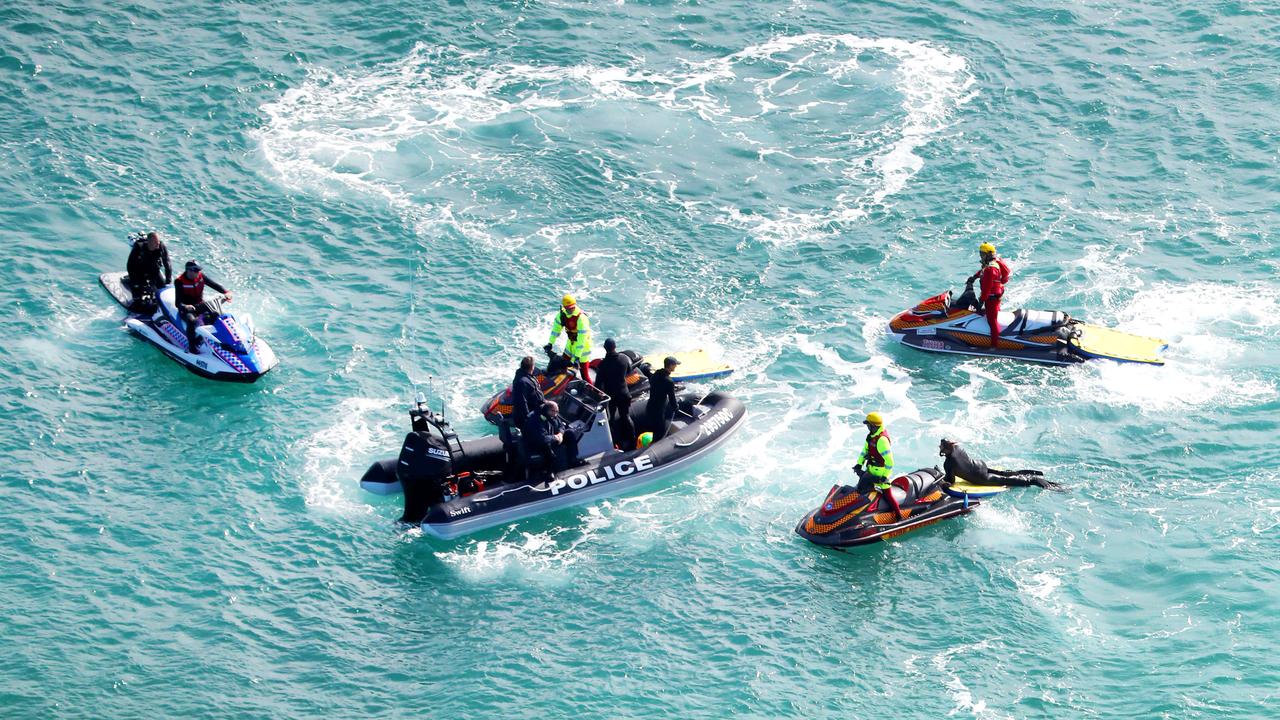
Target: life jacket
[874, 458]
[570, 324]
[995, 286]
[189, 292]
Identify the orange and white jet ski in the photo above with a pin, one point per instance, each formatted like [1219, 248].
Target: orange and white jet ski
[1044, 336]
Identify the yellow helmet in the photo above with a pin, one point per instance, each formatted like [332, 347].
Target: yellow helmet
[874, 418]
[568, 301]
[987, 247]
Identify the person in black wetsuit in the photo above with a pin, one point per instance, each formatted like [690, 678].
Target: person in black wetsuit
[611, 377]
[526, 395]
[148, 265]
[958, 464]
[662, 397]
[550, 435]
[188, 297]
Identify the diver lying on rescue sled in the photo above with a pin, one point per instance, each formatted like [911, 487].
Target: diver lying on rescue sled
[959, 467]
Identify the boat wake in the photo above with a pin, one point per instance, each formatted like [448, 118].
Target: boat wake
[419, 133]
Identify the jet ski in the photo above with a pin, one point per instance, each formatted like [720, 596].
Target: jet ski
[941, 325]
[229, 347]
[847, 518]
[453, 487]
[558, 375]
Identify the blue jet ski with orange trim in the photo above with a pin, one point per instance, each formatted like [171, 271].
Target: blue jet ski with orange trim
[847, 518]
[941, 324]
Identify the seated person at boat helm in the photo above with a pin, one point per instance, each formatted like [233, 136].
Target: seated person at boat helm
[550, 435]
[959, 465]
[188, 296]
[877, 455]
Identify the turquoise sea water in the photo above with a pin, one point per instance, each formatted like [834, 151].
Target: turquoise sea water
[402, 191]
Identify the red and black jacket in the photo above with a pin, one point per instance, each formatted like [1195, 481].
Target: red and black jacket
[191, 292]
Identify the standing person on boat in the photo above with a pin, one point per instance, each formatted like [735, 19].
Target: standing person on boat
[662, 397]
[877, 455]
[611, 377]
[526, 395]
[958, 464]
[992, 278]
[576, 327]
[188, 298]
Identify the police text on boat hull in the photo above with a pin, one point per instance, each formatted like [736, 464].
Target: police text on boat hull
[454, 487]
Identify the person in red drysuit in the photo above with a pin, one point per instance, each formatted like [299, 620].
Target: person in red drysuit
[992, 278]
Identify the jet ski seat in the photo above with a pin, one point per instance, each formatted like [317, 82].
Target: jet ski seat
[911, 486]
[1031, 321]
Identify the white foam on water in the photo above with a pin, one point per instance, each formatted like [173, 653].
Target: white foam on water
[329, 456]
[933, 84]
[876, 377]
[944, 664]
[340, 132]
[1040, 580]
[1108, 273]
[1210, 327]
[1267, 518]
[543, 556]
[1005, 517]
[994, 408]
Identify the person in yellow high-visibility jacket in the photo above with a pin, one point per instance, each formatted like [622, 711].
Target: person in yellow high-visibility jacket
[877, 455]
[576, 327]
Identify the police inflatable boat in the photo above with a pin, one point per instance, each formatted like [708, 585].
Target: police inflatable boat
[229, 347]
[452, 487]
[847, 518]
[941, 325]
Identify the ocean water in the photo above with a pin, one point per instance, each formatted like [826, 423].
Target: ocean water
[399, 193]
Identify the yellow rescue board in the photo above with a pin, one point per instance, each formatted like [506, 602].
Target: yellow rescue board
[962, 487]
[1104, 342]
[695, 365]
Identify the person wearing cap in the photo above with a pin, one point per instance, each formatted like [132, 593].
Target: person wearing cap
[549, 434]
[662, 397]
[611, 377]
[993, 275]
[877, 455]
[148, 264]
[188, 297]
[958, 465]
[576, 327]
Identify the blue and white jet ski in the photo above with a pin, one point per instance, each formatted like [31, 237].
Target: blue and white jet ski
[229, 347]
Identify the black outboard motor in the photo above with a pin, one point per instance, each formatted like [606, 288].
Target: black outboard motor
[426, 463]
